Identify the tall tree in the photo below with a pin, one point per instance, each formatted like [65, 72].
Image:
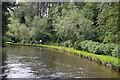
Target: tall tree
[91, 11]
[72, 25]
[5, 14]
[108, 28]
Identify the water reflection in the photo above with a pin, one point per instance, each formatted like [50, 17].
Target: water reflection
[35, 62]
[16, 69]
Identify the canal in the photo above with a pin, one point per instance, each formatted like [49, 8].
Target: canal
[37, 62]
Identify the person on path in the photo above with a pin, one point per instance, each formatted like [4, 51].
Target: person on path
[40, 41]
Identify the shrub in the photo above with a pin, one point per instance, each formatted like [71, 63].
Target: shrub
[77, 45]
[99, 48]
[67, 43]
[111, 49]
[93, 47]
[85, 45]
[115, 52]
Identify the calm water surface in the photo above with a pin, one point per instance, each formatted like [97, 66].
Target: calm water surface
[36, 62]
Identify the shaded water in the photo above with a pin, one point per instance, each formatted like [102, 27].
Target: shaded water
[36, 62]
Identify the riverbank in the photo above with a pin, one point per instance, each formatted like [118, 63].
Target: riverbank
[108, 61]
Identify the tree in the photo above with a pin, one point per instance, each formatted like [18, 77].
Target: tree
[108, 28]
[72, 25]
[40, 29]
[91, 11]
[5, 14]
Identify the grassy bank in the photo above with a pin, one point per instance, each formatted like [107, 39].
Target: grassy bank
[108, 61]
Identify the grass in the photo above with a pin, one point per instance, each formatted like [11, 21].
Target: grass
[103, 58]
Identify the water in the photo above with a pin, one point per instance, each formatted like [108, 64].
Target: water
[36, 62]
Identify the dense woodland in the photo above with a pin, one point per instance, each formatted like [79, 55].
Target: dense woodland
[91, 27]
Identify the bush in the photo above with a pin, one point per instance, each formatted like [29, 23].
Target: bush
[85, 45]
[67, 43]
[91, 46]
[116, 51]
[77, 45]
[111, 49]
[99, 48]
[108, 49]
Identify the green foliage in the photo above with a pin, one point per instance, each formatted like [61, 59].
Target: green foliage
[99, 48]
[111, 49]
[14, 30]
[18, 31]
[93, 47]
[73, 26]
[91, 11]
[5, 21]
[116, 51]
[68, 43]
[85, 45]
[77, 45]
[108, 29]
[24, 27]
[24, 33]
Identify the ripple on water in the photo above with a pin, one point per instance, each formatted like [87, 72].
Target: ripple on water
[5, 66]
[58, 74]
[18, 71]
